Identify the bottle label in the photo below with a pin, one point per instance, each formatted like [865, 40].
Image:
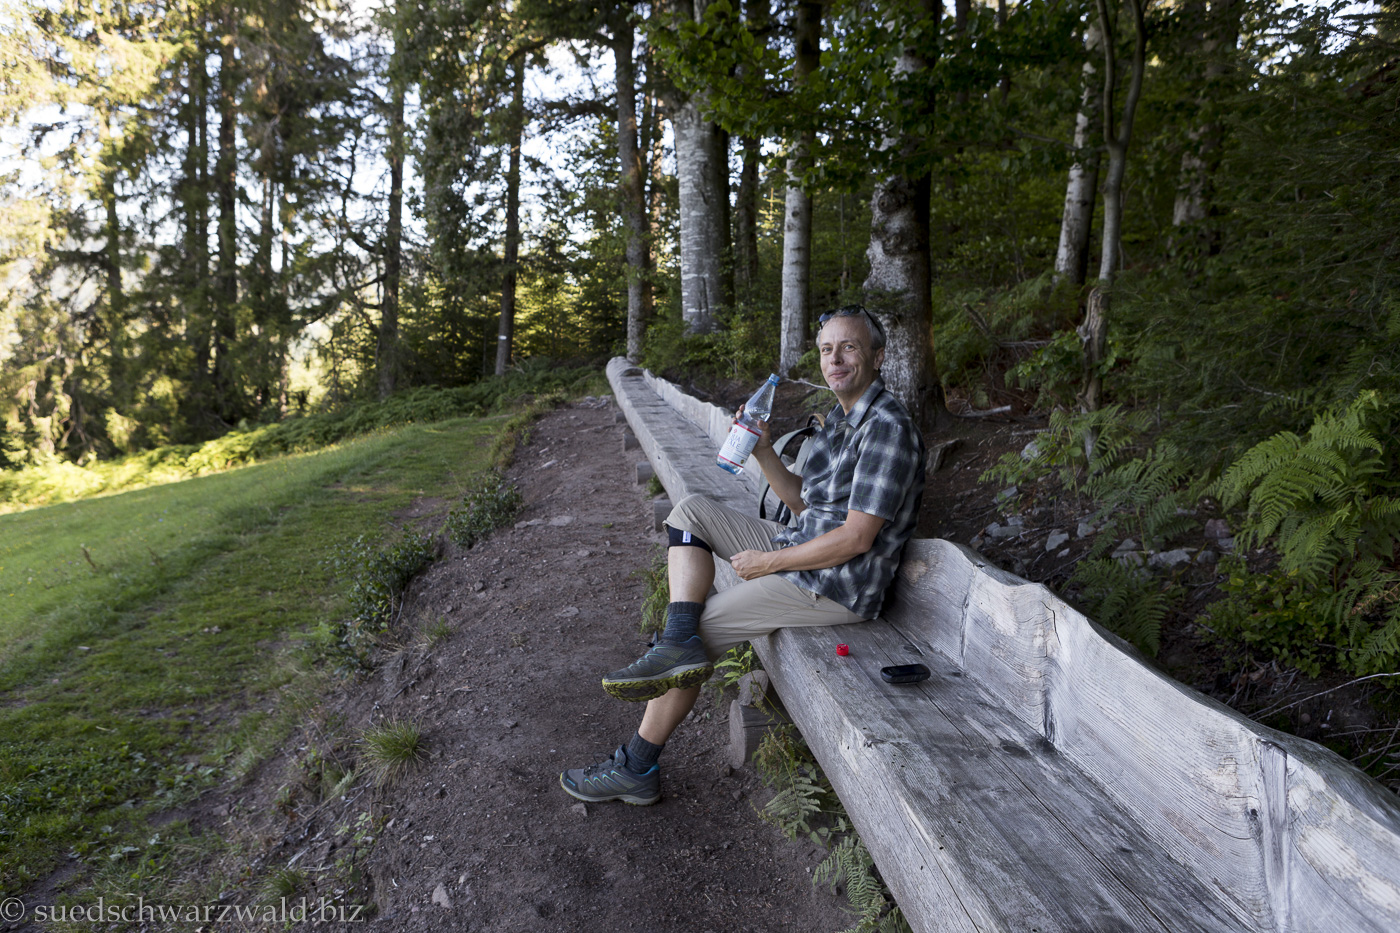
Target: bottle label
[738, 445]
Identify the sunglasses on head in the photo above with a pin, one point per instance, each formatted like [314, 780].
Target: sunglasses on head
[852, 311]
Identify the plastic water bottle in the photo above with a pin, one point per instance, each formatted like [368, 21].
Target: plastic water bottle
[746, 432]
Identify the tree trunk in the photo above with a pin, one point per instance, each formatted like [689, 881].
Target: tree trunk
[899, 286]
[1076, 225]
[1217, 38]
[388, 346]
[632, 176]
[797, 207]
[194, 192]
[703, 173]
[746, 222]
[112, 261]
[512, 246]
[1118, 134]
[226, 181]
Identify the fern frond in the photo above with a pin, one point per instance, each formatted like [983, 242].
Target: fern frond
[1125, 600]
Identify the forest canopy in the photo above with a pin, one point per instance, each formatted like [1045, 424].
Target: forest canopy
[225, 213]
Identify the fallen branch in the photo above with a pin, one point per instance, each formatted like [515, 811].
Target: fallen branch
[1279, 709]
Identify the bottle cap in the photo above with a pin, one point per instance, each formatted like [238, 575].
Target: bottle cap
[842, 650]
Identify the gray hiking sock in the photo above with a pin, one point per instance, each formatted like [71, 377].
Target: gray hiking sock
[682, 620]
[641, 754]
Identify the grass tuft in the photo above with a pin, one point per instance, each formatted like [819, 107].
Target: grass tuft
[391, 750]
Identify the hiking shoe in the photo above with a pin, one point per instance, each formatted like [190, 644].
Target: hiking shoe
[662, 668]
[613, 780]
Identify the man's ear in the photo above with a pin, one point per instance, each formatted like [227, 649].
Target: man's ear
[879, 358]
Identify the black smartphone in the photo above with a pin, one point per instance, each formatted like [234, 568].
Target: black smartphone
[904, 673]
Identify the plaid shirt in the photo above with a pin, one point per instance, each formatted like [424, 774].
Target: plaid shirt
[871, 460]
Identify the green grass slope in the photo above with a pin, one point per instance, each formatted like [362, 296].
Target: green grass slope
[143, 635]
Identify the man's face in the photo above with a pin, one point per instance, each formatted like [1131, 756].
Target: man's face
[848, 363]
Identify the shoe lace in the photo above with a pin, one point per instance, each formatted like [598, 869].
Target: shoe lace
[605, 765]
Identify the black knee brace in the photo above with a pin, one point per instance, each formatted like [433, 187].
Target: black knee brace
[686, 539]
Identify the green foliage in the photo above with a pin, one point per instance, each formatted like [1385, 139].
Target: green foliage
[980, 332]
[850, 861]
[744, 346]
[737, 661]
[1353, 624]
[491, 503]
[1323, 501]
[1055, 370]
[657, 595]
[1323, 496]
[1061, 449]
[801, 792]
[1150, 493]
[54, 480]
[1125, 599]
[375, 577]
[804, 804]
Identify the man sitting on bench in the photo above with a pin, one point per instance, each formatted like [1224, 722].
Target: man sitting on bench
[855, 506]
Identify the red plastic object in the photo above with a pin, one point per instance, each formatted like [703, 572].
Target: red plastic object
[842, 651]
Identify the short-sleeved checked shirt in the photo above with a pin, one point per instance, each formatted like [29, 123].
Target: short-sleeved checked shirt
[871, 460]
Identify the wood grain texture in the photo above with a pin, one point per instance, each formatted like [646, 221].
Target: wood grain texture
[1045, 778]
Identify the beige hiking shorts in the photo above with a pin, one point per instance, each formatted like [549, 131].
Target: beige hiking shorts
[755, 607]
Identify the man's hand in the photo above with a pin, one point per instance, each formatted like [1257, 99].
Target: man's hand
[750, 564]
[765, 439]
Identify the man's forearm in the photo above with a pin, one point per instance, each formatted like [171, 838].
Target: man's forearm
[784, 482]
[835, 547]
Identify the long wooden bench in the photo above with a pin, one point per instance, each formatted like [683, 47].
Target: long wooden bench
[1044, 779]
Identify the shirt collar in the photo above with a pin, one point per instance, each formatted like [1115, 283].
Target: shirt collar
[857, 414]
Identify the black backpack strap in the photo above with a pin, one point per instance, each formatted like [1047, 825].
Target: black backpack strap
[781, 446]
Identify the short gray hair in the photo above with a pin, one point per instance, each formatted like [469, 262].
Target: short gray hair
[877, 330]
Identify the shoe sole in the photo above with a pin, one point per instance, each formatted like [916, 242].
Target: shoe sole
[652, 687]
[632, 799]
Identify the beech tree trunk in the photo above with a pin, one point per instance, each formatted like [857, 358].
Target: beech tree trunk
[703, 176]
[899, 286]
[1076, 225]
[388, 346]
[633, 183]
[797, 207]
[505, 338]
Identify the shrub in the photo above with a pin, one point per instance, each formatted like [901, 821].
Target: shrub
[490, 504]
[377, 576]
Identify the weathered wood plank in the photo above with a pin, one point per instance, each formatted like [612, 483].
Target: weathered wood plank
[1240, 803]
[941, 775]
[680, 451]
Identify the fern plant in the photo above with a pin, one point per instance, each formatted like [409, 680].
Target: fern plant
[803, 795]
[1126, 600]
[1060, 449]
[850, 861]
[785, 764]
[1321, 495]
[1324, 499]
[1152, 490]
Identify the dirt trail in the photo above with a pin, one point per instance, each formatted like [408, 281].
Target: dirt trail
[481, 837]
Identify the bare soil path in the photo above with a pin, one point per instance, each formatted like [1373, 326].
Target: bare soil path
[480, 837]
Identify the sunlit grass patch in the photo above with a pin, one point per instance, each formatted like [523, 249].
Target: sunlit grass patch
[160, 665]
